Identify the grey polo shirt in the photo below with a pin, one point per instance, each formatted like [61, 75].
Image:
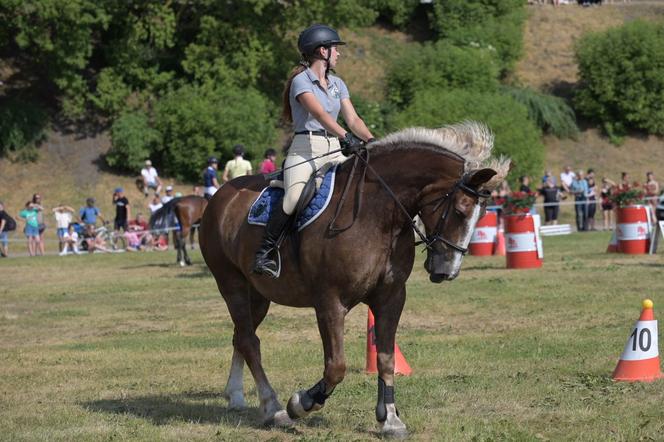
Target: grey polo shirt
[330, 99]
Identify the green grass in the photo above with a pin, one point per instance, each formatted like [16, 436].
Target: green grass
[130, 347]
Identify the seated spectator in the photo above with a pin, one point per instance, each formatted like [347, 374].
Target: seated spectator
[89, 213]
[169, 195]
[70, 240]
[63, 218]
[93, 240]
[150, 179]
[566, 178]
[197, 191]
[139, 228]
[155, 204]
[7, 224]
[548, 174]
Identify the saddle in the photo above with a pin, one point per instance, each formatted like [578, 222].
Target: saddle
[314, 199]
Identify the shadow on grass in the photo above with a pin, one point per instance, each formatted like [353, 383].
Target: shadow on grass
[200, 407]
[163, 265]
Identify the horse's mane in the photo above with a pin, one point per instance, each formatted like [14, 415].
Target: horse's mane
[470, 140]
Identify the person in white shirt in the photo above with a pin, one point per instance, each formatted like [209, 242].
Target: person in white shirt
[63, 217]
[70, 240]
[155, 204]
[566, 178]
[169, 195]
[150, 178]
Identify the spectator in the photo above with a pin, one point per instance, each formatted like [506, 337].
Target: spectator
[155, 204]
[31, 216]
[89, 213]
[548, 174]
[197, 191]
[122, 213]
[93, 240]
[607, 204]
[592, 199]
[566, 178]
[150, 179]
[525, 184]
[70, 240]
[624, 182]
[579, 188]
[63, 217]
[238, 166]
[210, 178]
[551, 195]
[36, 202]
[7, 224]
[169, 195]
[139, 237]
[651, 188]
[269, 163]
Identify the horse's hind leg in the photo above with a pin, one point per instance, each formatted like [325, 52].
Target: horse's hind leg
[330, 318]
[184, 233]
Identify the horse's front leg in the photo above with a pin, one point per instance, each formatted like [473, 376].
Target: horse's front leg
[330, 318]
[387, 311]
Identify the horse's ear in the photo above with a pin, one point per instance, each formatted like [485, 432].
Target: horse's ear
[479, 177]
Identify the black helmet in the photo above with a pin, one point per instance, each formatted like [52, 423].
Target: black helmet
[315, 36]
[238, 149]
[212, 160]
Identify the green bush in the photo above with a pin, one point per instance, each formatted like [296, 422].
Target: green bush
[621, 74]
[551, 114]
[374, 114]
[440, 66]
[22, 125]
[197, 122]
[133, 142]
[516, 136]
[491, 24]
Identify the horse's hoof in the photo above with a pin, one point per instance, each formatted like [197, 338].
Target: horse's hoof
[296, 409]
[235, 400]
[393, 427]
[181, 263]
[188, 262]
[280, 419]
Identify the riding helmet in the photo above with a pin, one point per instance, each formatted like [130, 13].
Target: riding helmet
[212, 160]
[238, 149]
[315, 36]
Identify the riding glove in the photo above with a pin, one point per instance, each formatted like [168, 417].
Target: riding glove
[350, 144]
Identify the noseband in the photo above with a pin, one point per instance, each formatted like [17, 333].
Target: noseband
[430, 240]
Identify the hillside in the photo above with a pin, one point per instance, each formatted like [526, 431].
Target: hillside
[71, 168]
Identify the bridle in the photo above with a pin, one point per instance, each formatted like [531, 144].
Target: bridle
[430, 240]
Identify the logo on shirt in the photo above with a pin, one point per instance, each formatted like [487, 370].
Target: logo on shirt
[334, 90]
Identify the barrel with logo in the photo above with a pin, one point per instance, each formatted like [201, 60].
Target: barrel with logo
[484, 236]
[521, 242]
[633, 229]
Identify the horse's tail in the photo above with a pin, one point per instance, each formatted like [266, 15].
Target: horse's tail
[165, 217]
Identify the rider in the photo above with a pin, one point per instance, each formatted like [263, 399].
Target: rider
[210, 180]
[312, 100]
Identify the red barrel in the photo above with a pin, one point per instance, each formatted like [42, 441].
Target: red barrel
[484, 235]
[633, 230]
[521, 242]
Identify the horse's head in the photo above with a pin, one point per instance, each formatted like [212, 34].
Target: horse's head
[450, 219]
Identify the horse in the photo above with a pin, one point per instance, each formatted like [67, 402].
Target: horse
[179, 214]
[363, 255]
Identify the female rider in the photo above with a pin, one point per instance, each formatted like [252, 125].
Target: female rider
[312, 100]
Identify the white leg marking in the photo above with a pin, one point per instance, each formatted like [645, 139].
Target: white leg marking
[393, 425]
[233, 391]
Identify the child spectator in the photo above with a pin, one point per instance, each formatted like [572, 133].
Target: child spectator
[89, 213]
[150, 179]
[37, 204]
[7, 224]
[63, 217]
[31, 215]
[592, 198]
[607, 204]
[269, 163]
[70, 240]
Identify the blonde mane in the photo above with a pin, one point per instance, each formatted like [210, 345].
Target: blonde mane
[471, 140]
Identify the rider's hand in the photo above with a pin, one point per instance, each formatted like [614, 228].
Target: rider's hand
[350, 144]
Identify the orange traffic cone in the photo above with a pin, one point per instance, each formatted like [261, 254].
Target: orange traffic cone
[499, 246]
[613, 244]
[400, 364]
[640, 358]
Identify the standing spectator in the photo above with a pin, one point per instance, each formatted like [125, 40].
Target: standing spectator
[624, 182]
[592, 199]
[70, 240]
[63, 217]
[37, 203]
[566, 178]
[197, 191]
[579, 188]
[150, 179]
[155, 204]
[169, 195]
[31, 216]
[548, 174]
[525, 184]
[210, 178]
[651, 188]
[7, 224]
[89, 213]
[122, 212]
[551, 194]
[269, 163]
[238, 166]
[607, 204]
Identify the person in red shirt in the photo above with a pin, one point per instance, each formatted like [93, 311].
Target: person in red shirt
[138, 234]
[269, 163]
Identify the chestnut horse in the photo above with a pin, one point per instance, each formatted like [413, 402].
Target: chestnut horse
[179, 215]
[441, 174]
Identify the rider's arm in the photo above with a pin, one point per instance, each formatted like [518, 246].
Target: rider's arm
[224, 177]
[354, 122]
[311, 104]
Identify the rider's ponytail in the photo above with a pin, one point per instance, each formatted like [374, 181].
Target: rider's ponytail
[286, 115]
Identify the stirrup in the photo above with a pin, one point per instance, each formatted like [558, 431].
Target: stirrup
[262, 270]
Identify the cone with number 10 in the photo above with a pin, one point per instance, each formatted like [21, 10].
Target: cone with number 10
[640, 358]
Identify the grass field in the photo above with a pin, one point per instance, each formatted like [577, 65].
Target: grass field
[129, 347]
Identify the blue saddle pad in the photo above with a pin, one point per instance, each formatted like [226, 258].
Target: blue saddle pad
[262, 208]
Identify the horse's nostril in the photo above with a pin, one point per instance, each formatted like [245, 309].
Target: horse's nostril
[437, 277]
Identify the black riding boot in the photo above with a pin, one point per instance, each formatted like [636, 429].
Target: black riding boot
[263, 264]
